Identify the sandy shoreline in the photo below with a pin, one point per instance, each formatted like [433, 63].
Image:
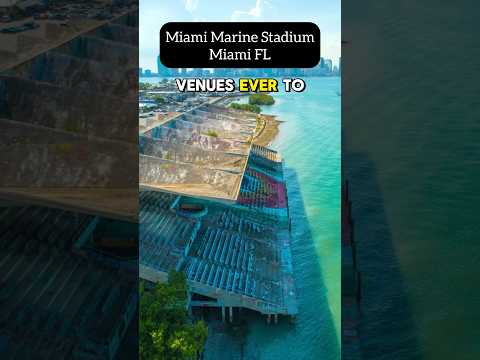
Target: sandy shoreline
[268, 130]
[269, 126]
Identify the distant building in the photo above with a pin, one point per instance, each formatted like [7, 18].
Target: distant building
[195, 73]
[321, 64]
[328, 65]
[147, 73]
[268, 72]
[162, 70]
[220, 72]
[140, 72]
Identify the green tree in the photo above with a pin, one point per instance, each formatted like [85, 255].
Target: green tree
[158, 99]
[212, 133]
[247, 107]
[261, 99]
[145, 86]
[166, 332]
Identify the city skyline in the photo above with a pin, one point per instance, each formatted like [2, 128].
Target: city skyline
[153, 14]
[325, 67]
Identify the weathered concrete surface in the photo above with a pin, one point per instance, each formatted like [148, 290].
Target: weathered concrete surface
[74, 109]
[217, 160]
[187, 179]
[118, 33]
[97, 49]
[70, 71]
[69, 119]
[33, 156]
[25, 46]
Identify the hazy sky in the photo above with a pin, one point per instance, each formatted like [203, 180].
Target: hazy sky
[154, 13]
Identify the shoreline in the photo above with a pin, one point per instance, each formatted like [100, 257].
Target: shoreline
[269, 126]
[269, 130]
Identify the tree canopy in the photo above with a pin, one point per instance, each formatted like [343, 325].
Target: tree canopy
[145, 86]
[248, 107]
[166, 332]
[158, 99]
[261, 99]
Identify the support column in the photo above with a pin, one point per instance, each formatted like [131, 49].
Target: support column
[275, 318]
[231, 314]
[269, 317]
[190, 310]
[223, 313]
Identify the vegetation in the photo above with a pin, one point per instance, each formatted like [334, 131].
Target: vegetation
[261, 99]
[145, 86]
[166, 332]
[158, 99]
[247, 107]
[212, 133]
[168, 156]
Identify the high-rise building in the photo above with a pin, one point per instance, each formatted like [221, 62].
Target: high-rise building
[162, 70]
[328, 65]
[321, 64]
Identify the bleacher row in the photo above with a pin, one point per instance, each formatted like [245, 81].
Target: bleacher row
[221, 277]
[226, 248]
[271, 168]
[164, 235]
[153, 200]
[244, 283]
[53, 302]
[29, 224]
[259, 191]
[233, 251]
[229, 251]
[252, 184]
[264, 152]
[233, 220]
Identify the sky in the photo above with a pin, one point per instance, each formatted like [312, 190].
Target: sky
[154, 13]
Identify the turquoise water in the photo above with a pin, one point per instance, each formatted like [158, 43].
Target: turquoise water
[309, 142]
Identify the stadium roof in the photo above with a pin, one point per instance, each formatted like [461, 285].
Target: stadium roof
[201, 153]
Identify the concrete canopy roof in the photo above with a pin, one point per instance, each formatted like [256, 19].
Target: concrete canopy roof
[201, 153]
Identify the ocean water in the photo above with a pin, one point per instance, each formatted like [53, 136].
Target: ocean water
[411, 151]
[309, 142]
